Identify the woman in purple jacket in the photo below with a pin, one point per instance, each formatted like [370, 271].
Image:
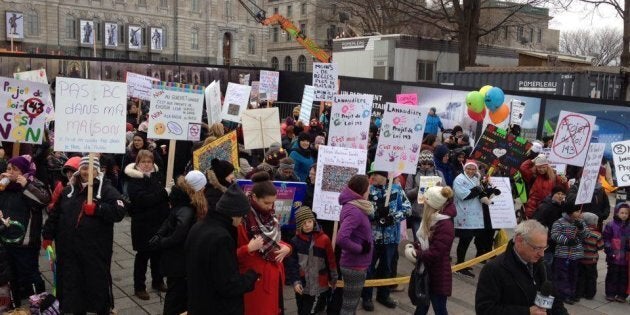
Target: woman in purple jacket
[355, 240]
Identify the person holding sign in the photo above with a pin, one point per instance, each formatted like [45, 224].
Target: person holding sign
[540, 178]
[83, 234]
[426, 167]
[260, 249]
[23, 199]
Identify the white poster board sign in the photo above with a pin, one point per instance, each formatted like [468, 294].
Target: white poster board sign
[325, 81]
[561, 169]
[268, 86]
[572, 138]
[350, 121]
[516, 112]
[213, 102]
[23, 113]
[335, 166]
[307, 104]
[175, 112]
[38, 76]
[91, 115]
[502, 213]
[621, 160]
[235, 101]
[253, 95]
[401, 134]
[139, 86]
[260, 127]
[425, 183]
[590, 173]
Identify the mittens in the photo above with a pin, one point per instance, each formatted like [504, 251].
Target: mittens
[89, 209]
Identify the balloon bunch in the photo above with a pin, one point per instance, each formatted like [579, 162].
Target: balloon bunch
[487, 97]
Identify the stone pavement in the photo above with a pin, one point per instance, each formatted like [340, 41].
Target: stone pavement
[461, 303]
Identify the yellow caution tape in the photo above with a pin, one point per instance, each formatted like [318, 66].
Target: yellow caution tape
[404, 280]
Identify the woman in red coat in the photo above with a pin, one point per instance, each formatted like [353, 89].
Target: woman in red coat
[260, 249]
[540, 178]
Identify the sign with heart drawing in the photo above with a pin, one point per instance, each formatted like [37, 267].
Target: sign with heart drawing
[501, 150]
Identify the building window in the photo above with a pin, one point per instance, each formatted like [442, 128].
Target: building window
[164, 38]
[539, 39]
[426, 69]
[121, 34]
[97, 30]
[303, 28]
[519, 33]
[275, 34]
[71, 28]
[289, 10]
[195, 5]
[275, 10]
[163, 3]
[531, 35]
[288, 64]
[302, 63]
[32, 26]
[142, 3]
[274, 63]
[303, 8]
[288, 36]
[251, 45]
[228, 8]
[194, 43]
[331, 32]
[506, 31]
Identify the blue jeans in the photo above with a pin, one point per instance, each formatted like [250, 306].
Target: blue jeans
[384, 257]
[439, 306]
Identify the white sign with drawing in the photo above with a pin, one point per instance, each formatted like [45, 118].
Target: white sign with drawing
[235, 101]
[590, 173]
[621, 160]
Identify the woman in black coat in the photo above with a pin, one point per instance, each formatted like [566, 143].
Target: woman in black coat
[188, 205]
[84, 236]
[149, 208]
[220, 177]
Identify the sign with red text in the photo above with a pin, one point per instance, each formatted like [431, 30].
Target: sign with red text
[176, 111]
[590, 173]
[91, 115]
[350, 121]
[23, 114]
[572, 138]
[407, 99]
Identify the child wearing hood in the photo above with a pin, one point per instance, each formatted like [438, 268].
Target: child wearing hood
[587, 269]
[616, 242]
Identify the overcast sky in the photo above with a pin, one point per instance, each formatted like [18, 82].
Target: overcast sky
[582, 15]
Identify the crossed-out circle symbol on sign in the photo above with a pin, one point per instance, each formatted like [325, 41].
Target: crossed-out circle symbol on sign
[567, 136]
[620, 149]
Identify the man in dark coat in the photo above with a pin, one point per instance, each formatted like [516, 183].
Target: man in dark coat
[509, 283]
[215, 285]
[84, 234]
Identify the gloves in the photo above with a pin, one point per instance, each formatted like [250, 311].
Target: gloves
[46, 243]
[579, 224]
[365, 247]
[474, 192]
[89, 209]
[154, 242]
[572, 242]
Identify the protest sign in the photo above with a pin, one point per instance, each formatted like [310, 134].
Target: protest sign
[176, 111]
[224, 148]
[253, 95]
[621, 160]
[325, 81]
[502, 213]
[213, 102]
[91, 116]
[401, 134]
[307, 104]
[335, 166]
[590, 173]
[572, 137]
[407, 99]
[139, 86]
[38, 76]
[560, 169]
[350, 121]
[501, 150]
[268, 86]
[517, 111]
[26, 105]
[425, 183]
[244, 79]
[289, 198]
[235, 101]
[260, 127]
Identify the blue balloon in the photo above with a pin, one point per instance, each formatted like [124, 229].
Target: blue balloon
[494, 98]
[377, 122]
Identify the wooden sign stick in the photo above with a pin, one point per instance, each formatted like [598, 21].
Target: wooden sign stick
[334, 235]
[16, 149]
[170, 163]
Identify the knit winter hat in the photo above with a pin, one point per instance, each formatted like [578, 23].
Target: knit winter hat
[72, 164]
[434, 198]
[244, 165]
[85, 161]
[304, 213]
[196, 180]
[274, 156]
[536, 146]
[233, 202]
[471, 162]
[374, 171]
[590, 218]
[222, 168]
[620, 206]
[570, 206]
[142, 135]
[540, 160]
[285, 164]
[21, 163]
[426, 156]
[559, 188]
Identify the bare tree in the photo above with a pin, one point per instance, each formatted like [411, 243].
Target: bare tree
[604, 45]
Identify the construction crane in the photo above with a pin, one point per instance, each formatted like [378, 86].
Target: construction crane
[260, 16]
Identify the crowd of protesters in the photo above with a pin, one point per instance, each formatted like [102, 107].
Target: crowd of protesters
[214, 249]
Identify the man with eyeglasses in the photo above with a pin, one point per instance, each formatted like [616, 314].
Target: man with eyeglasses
[509, 283]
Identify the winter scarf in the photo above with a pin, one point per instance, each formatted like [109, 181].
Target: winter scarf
[365, 205]
[306, 153]
[265, 224]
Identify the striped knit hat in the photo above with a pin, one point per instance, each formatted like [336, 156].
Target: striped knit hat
[304, 213]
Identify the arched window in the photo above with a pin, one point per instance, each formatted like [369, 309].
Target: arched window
[251, 44]
[288, 64]
[301, 63]
[194, 39]
[275, 64]
[32, 24]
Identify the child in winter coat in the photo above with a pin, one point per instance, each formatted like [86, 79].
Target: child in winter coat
[616, 238]
[568, 233]
[587, 269]
[311, 268]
